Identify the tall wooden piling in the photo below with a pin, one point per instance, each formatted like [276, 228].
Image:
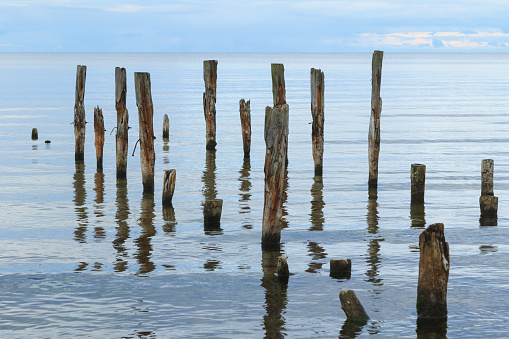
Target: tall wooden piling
[374, 123]
[166, 127]
[169, 186]
[317, 111]
[79, 113]
[279, 93]
[209, 102]
[122, 122]
[276, 136]
[99, 136]
[487, 169]
[245, 123]
[417, 180]
[146, 120]
[433, 273]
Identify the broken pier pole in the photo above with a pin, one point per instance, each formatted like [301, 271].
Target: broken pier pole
[417, 180]
[279, 93]
[169, 186]
[209, 102]
[487, 201]
[122, 122]
[146, 121]
[35, 134]
[374, 122]
[99, 136]
[352, 306]
[433, 273]
[276, 136]
[317, 111]
[79, 114]
[245, 123]
[212, 210]
[166, 127]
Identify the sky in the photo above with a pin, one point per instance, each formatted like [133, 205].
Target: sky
[253, 26]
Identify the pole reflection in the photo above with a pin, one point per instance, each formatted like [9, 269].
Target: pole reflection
[122, 228]
[418, 215]
[166, 151]
[316, 252]
[147, 232]
[275, 296]
[432, 328]
[80, 196]
[351, 329]
[317, 204]
[210, 192]
[373, 257]
[99, 232]
[245, 192]
[169, 220]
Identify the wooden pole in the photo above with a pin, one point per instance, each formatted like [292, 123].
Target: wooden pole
[317, 111]
[146, 116]
[169, 186]
[212, 212]
[433, 273]
[279, 93]
[209, 102]
[283, 271]
[352, 306]
[487, 169]
[99, 136]
[245, 122]
[35, 134]
[166, 127]
[341, 268]
[276, 136]
[488, 203]
[122, 122]
[374, 123]
[417, 179]
[79, 114]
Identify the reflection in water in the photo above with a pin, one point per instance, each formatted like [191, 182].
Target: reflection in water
[432, 328]
[485, 249]
[351, 329]
[209, 176]
[373, 258]
[488, 220]
[275, 296]
[317, 204]
[417, 215]
[212, 264]
[81, 267]
[316, 252]
[166, 151]
[99, 232]
[80, 196]
[147, 232]
[169, 220]
[245, 195]
[121, 216]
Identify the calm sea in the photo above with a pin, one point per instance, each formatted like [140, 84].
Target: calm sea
[85, 255]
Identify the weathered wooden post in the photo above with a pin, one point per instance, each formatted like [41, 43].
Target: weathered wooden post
[279, 93]
[374, 122]
[276, 136]
[122, 122]
[169, 186]
[417, 179]
[283, 271]
[341, 268]
[245, 123]
[166, 127]
[487, 201]
[99, 136]
[35, 134]
[433, 273]
[145, 115]
[209, 102]
[317, 111]
[352, 306]
[79, 114]
[212, 212]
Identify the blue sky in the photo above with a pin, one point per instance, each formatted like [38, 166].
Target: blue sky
[253, 26]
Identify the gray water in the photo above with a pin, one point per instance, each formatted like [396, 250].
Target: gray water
[82, 254]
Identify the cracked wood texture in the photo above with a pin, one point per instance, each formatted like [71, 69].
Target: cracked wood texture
[317, 111]
[122, 122]
[146, 119]
[245, 122]
[279, 92]
[79, 114]
[209, 102]
[276, 136]
[99, 136]
[433, 273]
[374, 123]
[169, 186]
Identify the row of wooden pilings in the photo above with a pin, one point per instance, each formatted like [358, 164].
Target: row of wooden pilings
[434, 250]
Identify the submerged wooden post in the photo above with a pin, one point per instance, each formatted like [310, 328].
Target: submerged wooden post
[245, 123]
[276, 136]
[122, 122]
[488, 203]
[433, 273]
[317, 111]
[283, 271]
[417, 180]
[209, 102]
[169, 186]
[279, 93]
[35, 134]
[145, 115]
[99, 136]
[374, 122]
[79, 114]
[352, 306]
[212, 212]
[341, 268]
[166, 127]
